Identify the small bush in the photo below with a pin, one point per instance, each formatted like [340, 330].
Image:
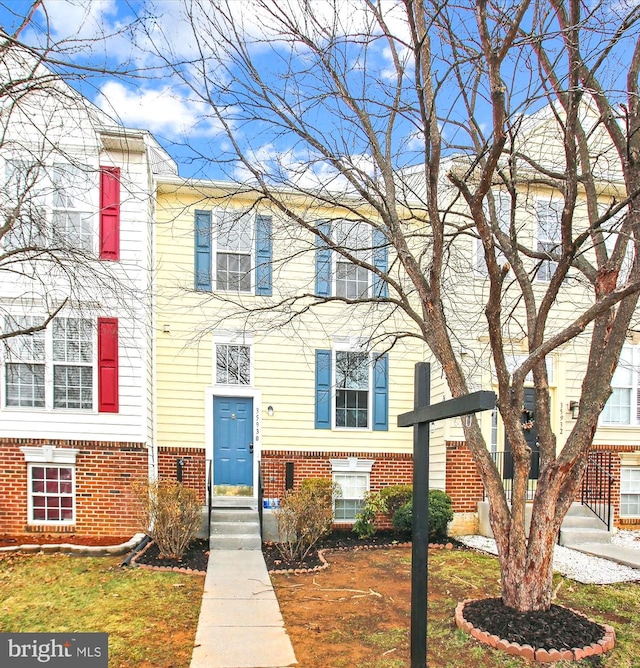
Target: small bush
[170, 515]
[395, 496]
[440, 514]
[364, 525]
[304, 516]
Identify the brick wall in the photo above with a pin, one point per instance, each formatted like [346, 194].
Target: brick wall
[388, 469]
[194, 470]
[105, 503]
[465, 488]
[463, 483]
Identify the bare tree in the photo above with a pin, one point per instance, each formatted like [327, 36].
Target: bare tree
[446, 129]
[49, 139]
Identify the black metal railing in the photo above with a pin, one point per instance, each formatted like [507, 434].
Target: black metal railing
[504, 463]
[260, 495]
[597, 485]
[209, 495]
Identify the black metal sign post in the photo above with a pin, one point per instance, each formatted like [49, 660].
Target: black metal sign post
[420, 419]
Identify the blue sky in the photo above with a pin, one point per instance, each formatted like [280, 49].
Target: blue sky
[116, 35]
[101, 34]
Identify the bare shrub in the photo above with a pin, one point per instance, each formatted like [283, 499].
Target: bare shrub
[170, 515]
[304, 516]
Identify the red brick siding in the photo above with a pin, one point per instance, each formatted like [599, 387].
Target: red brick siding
[388, 469]
[105, 504]
[463, 483]
[465, 487]
[194, 471]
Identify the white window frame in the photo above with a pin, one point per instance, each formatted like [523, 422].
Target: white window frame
[630, 488]
[544, 207]
[630, 361]
[223, 218]
[50, 364]
[229, 338]
[28, 176]
[84, 238]
[50, 457]
[342, 232]
[503, 215]
[351, 466]
[352, 349]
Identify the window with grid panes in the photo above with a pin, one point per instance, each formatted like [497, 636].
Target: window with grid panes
[352, 375]
[502, 203]
[72, 363]
[233, 364]
[547, 213]
[24, 364]
[72, 210]
[352, 281]
[623, 406]
[51, 493]
[629, 491]
[233, 251]
[353, 487]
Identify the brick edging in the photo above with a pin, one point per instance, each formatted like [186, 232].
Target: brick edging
[351, 548]
[606, 643]
[72, 548]
[175, 569]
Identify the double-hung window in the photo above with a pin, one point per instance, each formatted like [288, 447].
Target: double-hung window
[629, 491]
[622, 407]
[62, 366]
[352, 477]
[338, 271]
[24, 364]
[233, 251]
[352, 374]
[353, 487]
[352, 390]
[502, 202]
[24, 201]
[352, 280]
[51, 498]
[72, 210]
[73, 359]
[547, 213]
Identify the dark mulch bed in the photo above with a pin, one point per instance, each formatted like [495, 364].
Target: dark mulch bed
[195, 558]
[558, 628]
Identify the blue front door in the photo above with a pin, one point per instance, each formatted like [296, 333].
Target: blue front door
[232, 441]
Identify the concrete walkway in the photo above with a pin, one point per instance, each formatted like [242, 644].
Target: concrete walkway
[240, 623]
[626, 556]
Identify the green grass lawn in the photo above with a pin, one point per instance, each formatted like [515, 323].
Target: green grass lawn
[150, 616]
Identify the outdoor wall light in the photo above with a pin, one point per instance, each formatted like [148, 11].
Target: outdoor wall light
[166, 329]
[574, 408]
[270, 411]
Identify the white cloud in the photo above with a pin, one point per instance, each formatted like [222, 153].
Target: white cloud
[160, 110]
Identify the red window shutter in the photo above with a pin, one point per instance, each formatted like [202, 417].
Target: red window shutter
[108, 365]
[109, 213]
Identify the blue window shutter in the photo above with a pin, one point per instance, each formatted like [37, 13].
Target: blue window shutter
[323, 389]
[381, 393]
[381, 262]
[202, 243]
[323, 262]
[264, 247]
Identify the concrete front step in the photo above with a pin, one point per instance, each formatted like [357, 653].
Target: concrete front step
[234, 524]
[583, 522]
[574, 536]
[235, 542]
